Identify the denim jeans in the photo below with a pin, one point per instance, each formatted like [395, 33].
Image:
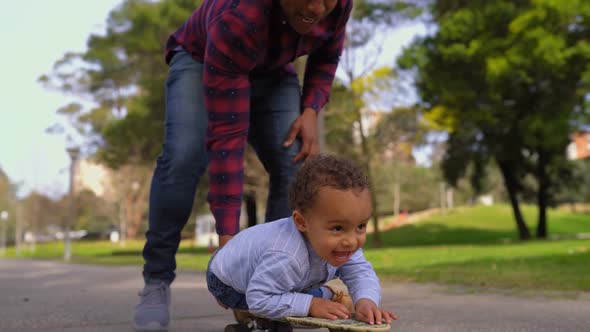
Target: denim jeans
[275, 105]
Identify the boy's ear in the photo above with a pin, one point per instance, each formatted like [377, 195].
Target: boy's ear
[299, 221]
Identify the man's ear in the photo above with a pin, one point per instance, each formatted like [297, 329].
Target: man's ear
[299, 221]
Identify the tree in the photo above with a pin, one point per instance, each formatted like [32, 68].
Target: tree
[362, 49]
[508, 80]
[396, 134]
[123, 72]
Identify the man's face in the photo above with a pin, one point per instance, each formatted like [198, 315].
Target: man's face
[303, 15]
[336, 224]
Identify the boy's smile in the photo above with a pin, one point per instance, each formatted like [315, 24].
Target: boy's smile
[335, 225]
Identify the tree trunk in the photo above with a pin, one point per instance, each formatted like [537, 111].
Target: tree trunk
[367, 161]
[442, 196]
[396, 198]
[512, 188]
[396, 188]
[542, 195]
[450, 200]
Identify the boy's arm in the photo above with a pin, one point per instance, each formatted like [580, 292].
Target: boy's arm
[270, 291]
[361, 279]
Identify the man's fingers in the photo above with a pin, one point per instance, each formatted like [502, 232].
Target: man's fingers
[292, 134]
[303, 153]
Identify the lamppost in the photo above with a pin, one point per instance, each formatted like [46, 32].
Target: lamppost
[74, 153]
[3, 220]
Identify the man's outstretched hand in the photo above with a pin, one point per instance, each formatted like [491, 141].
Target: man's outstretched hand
[305, 127]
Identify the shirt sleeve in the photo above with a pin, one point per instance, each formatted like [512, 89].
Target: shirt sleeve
[270, 290]
[322, 64]
[231, 52]
[361, 279]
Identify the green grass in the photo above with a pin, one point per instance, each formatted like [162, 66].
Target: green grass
[469, 246]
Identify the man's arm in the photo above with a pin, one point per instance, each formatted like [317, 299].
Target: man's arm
[230, 54]
[322, 64]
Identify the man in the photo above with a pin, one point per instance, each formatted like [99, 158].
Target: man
[231, 82]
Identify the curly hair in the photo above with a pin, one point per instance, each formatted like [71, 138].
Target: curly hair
[324, 171]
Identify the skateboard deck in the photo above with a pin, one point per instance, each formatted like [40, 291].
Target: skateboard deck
[283, 324]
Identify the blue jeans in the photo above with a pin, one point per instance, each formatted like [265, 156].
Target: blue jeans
[275, 105]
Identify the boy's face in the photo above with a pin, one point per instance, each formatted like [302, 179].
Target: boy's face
[335, 225]
[303, 15]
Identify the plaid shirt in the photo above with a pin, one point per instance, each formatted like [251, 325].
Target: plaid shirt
[236, 40]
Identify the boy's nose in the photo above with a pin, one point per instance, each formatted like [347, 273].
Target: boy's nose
[317, 8]
[349, 243]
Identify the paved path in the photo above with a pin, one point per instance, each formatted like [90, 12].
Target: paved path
[49, 296]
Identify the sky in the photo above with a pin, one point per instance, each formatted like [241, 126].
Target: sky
[35, 34]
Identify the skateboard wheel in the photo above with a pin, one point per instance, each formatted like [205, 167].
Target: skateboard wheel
[283, 328]
[236, 328]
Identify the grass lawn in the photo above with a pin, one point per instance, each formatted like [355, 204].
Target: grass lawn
[468, 246]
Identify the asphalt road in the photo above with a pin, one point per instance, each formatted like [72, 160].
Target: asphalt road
[49, 296]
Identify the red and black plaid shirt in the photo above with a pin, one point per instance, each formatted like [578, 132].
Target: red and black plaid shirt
[237, 39]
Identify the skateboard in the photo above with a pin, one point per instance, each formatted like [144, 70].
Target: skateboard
[256, 323]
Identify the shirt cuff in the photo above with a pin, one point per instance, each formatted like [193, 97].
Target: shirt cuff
[227, 221]
[301, 305]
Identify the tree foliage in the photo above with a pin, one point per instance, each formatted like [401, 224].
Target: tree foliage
[123, 72]
[508, 80]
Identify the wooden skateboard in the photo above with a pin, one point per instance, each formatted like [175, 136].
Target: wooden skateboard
[262, 324]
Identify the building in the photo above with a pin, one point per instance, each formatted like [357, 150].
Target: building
[579, 147]
[92, 176]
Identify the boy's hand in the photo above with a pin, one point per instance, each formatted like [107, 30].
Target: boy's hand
[367, 311]
[324, 308]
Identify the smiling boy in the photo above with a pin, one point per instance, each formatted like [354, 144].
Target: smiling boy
[278, 269]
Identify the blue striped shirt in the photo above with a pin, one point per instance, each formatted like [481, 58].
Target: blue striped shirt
[273, 264]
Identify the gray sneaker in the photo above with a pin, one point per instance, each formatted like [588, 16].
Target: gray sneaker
[153, 311]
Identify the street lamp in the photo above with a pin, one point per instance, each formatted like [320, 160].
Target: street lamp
[3, 220]
[74, 153]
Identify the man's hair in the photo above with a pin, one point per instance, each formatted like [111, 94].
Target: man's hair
[324, 171]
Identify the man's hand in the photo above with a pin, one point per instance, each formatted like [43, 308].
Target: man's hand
[324, 308]
[305, 127]
[367, 311]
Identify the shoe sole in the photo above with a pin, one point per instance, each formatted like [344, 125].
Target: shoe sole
[151, 327]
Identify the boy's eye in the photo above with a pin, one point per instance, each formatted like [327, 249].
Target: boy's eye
[362, 226]
[337, 228]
